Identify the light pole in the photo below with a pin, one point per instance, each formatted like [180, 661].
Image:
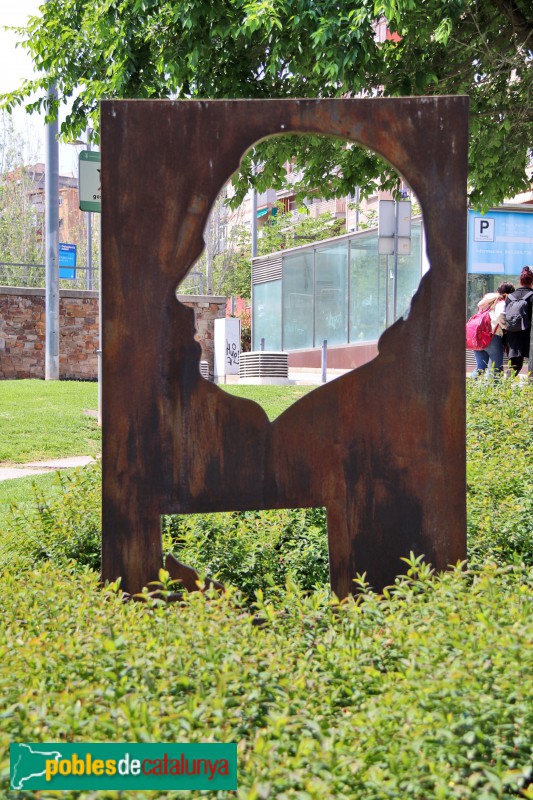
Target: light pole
[89, 200]
[89, 219]
[254, 214]
[89, 232]
[51, 203]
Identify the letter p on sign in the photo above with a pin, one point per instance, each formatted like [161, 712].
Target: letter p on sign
[483, 229]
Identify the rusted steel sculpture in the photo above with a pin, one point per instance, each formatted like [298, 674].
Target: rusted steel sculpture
[382, 448]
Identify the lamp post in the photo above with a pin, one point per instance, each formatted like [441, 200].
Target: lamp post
[51, 202]
[89, 200]
[89, 219]
[89, 232]
[254, 214]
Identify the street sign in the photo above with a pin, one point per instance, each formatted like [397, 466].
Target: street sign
[67, 261]
[387, 219]
[403, 212]
[394, 227]
[483, 229]
[89, 172]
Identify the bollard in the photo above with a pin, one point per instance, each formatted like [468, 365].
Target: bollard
[324, 360]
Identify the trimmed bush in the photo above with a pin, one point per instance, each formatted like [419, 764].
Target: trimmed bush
[63, 529]
[500, 471]
[422, 693]
[253, 550]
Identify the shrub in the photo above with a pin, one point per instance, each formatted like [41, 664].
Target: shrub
[499, 471]
[66, 528]
[253, 549]
[424, 692]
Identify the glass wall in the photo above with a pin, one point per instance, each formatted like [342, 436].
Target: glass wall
[331, 292]
[266, 311]
[341, 291]
[408, 273]
[369, 290]
[298, 294]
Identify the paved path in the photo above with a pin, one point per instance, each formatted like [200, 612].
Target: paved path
[42, 467]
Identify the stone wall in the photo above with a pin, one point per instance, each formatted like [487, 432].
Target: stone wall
[22, 331]
[207, 308]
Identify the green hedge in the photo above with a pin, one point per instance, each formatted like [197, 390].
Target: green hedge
[423, 693]
[61, 527]
[500, 471]
[253, 550]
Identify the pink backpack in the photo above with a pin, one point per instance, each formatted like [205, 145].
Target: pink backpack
[479, 331]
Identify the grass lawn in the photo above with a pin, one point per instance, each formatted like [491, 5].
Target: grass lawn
[23, 493]
[47, 419]
[274, 399]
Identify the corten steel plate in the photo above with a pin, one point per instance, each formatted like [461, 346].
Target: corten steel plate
[382, 448]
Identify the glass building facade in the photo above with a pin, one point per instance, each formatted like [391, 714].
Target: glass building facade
[340, 290]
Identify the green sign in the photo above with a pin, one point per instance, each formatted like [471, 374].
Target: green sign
[160, 767]
[90, 187]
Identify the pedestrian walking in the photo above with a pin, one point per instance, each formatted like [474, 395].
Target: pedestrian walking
[494, 303]
[518, 316]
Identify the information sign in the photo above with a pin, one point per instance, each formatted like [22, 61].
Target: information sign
[394, 227]
[500, 242]
[89, 172]
[67, 261]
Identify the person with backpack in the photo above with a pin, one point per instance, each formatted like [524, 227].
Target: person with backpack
[518, 316]
[494, 303]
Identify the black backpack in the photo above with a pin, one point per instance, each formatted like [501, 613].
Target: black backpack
[518, 312]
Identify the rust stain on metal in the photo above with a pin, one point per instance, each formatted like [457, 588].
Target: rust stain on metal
[382, 448]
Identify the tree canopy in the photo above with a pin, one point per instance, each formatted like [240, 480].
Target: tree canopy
[225, 267]
[95, 49]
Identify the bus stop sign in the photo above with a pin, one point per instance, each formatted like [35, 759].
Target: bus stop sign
[89, 172]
